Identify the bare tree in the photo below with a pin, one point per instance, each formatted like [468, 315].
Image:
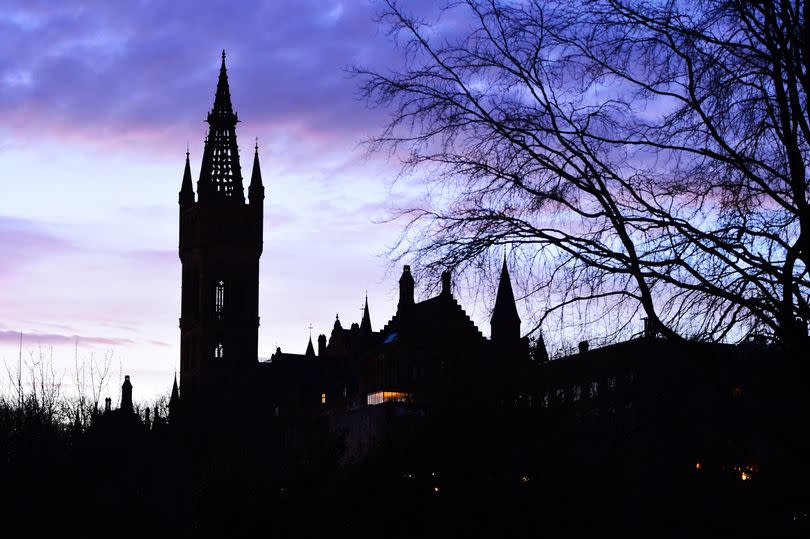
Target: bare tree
[633, 155]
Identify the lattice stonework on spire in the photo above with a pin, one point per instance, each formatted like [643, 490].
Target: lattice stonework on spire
[221, 174]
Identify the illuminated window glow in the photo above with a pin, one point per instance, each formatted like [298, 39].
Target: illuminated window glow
[387, 396]
[323, 398]
[219, 300]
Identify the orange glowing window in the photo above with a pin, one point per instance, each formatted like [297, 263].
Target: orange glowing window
[380, 397]
[323, 398]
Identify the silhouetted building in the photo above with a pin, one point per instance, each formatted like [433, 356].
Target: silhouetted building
[429, 357]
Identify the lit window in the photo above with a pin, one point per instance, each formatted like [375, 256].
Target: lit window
[577, 393]
[387, 396]
[323, 398]
[219, 300]
[594, 389]
[218, 351]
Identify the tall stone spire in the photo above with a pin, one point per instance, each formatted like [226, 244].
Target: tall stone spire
[505, 322]
[186, 189]
[310, 349]
[365, 324]
[221, 173]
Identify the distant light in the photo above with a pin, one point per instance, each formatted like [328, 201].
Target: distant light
[524, 479]
[436, 490]
[698, 466]
[744, 476]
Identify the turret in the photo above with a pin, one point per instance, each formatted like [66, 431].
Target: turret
[321, 345]
[505, 322]
[126, 395]
[406, 286]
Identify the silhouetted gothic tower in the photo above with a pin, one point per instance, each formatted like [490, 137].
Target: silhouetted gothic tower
[220, 246]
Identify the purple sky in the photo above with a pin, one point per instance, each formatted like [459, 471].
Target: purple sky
[97, 102]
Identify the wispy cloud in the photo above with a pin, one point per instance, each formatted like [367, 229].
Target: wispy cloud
[9, 337]
[113, 71]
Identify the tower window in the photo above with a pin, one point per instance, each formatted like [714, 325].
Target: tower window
[218, 351]
[219, 298]
[323, 398]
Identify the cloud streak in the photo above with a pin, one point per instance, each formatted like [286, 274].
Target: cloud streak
[8, 337]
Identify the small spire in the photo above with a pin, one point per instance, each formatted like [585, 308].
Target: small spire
[540, 350]
[505, 320]
[310, 349]
[365, 324]
[186, 188]
[256, 188]
[174, 401]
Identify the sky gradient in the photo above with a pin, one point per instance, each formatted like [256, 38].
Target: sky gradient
[97, 103]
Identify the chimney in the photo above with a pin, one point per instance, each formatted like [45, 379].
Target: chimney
[321, 345]
[583, 347]
[406, 285]
[447, 285]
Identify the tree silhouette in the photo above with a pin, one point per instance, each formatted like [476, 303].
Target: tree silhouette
[633, 155]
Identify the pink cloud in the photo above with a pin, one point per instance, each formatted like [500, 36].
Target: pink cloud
[8, 337]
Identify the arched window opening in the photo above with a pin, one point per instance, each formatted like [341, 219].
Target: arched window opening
[218, 351]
